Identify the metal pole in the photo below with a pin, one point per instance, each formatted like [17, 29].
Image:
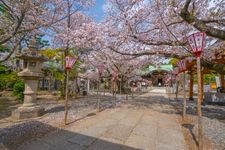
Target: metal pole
[66, 98]
[184, 94]
[200, 130]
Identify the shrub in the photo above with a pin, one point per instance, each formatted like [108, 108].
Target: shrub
[7, 78]
[18, 89]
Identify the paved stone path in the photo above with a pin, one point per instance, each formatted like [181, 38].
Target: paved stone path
[158, 90]
[124, 128]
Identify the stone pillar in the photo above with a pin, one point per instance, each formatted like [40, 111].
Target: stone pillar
[191, 86]
[30, 93]
[30, 108]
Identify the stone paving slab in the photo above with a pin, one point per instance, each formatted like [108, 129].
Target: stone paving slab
[145, 130]
[140, 142]
[104, 145]
[172, 137]
[106, 123]
[82, 140]
[148, 120]
[119, 132]
[117, 129]
[120, 115]
[35, 145]
[56, 137]
[91, 121]
[65, 145]
[131, 119]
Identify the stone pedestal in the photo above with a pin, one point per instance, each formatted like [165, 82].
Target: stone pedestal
[28, 112]
[29, 109]
[31, 74]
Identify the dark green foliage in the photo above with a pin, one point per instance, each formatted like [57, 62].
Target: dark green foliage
[7, 78]
[3, 48]
[208, 78]
[10, 81]
[41, 42]
[18, 89]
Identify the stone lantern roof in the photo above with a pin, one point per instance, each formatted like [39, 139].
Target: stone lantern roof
[32, 53]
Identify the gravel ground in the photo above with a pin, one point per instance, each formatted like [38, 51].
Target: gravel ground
[18, 132]
[215, 131]
[213, 122]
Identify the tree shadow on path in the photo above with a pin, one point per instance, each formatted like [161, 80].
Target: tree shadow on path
[27, 136]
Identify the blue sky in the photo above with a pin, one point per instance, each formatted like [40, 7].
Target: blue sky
[97, 11]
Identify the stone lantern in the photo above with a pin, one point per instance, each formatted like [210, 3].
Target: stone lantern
[31, 73]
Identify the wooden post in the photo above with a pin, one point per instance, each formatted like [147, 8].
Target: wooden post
[132, 91]
[112, 87]
[191, 86]
[88, 86]
[184, 94]
[222, 80]
[115, 94]
[202, 86]
[127, 91]
[104, 85]
[98, 95]
[66, 97]
[177, 87]
[200, 130]
[121, 86]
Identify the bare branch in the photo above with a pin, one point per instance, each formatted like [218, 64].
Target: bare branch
[199, 24]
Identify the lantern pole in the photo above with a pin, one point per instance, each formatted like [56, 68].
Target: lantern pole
[104, 80]
[98, 93]
[184, 95]
[121, 85]
[177, 86]
[182, 67]
[127, 91]
[197, 41]
[69, 62]
[115, 92]
[66, 96]
[200, 133]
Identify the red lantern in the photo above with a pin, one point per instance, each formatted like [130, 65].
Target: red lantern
[101, 69]
[182, 65]
[197, 43]
[175, 71]
[70, 62]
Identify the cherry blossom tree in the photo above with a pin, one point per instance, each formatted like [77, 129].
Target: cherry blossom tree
[205, 15]
[19, 19]
[121, 68]
[140, 27]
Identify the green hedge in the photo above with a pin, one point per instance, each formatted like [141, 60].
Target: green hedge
[18, 89]
[10, 81]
